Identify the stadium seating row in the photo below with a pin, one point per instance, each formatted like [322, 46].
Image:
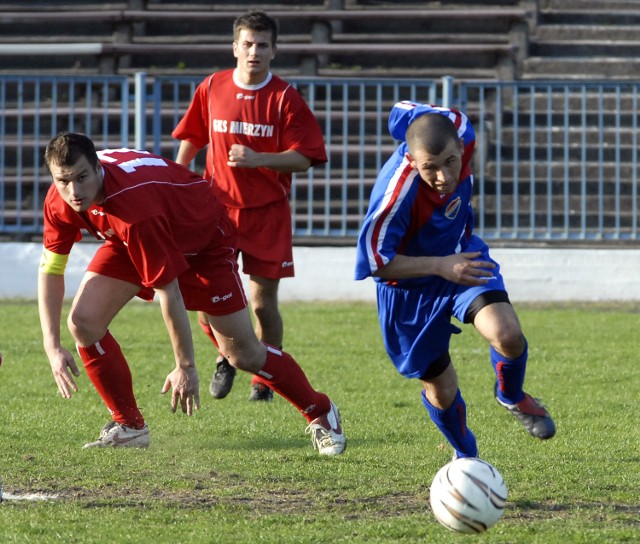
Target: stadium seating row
[486, 42]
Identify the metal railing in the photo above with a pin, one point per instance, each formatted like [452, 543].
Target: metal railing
[329, 200]
[554, 160]
[32, 111]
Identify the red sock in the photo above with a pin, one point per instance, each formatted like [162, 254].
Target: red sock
[282, 374]
[109, 372]
[256, 379]
[207, 330]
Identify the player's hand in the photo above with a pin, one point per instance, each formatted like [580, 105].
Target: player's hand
[185, 386]
[62, 362]
[463, 269]
[243, 156]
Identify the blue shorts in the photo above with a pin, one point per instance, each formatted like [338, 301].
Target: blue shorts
[416, 322]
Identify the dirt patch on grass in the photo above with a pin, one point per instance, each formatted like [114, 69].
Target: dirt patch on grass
[259, 502]
[263, 501]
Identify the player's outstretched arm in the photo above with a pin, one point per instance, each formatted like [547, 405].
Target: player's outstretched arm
[63, 365]
[183, 380]
[462, 268]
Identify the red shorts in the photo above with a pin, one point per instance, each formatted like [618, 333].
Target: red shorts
[211, 284]
[265, 239]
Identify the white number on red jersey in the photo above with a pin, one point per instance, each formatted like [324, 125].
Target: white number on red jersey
[130, 166]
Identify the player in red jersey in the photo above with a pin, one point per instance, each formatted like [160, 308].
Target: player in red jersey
[165, 233]
[258, 130]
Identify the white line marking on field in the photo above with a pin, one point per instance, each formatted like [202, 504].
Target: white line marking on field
[28, 496]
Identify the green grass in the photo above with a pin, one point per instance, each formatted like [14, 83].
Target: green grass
[241, 472]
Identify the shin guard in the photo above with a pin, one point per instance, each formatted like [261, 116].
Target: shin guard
[109, 372]
[282, 374]
[452, 423]
[510, 375]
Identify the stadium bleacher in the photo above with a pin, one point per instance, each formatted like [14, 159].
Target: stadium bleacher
[499, 40]
[483, 42]
[505, 39]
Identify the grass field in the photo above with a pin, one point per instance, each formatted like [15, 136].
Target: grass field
[241, 472]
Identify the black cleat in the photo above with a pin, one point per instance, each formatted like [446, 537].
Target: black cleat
[533, 416]
[222, 380]
[260, 392]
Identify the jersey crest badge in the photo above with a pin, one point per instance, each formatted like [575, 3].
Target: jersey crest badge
[453, 208]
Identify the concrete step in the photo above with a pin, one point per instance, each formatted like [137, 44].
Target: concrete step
[555, 170]
[574, 204]
[431, 4]
[430, 37]
[574, 135]
[585, 48]
[457, 72]
[588, 4]
[560, 32]
[581, 68]
[601, 16]
[19, 5]
[587, 97]
[542, 119]
[574, 153]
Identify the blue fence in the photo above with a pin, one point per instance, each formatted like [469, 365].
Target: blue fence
[32, 110]
[554, 160]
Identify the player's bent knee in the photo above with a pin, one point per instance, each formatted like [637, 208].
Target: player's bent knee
[441, 395]
[247, 360]
[511, 344]
[83, 329]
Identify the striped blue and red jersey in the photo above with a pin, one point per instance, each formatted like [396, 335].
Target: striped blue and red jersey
[405, 215]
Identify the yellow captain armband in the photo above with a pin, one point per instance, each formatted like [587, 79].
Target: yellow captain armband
[53, 263]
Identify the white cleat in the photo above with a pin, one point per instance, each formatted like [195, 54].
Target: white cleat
[116, 435]
[326, 433]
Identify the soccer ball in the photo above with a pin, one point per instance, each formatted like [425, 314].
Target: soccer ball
[468, 495]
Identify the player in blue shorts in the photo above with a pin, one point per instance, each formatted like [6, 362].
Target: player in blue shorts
[417, 243]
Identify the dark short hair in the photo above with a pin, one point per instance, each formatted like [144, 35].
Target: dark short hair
[432, 132]
[67, 148]
[258, 21]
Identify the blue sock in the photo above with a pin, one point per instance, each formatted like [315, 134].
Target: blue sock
[452, 423]
[510, 375]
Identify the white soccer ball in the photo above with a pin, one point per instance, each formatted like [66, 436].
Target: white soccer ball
[468, 495]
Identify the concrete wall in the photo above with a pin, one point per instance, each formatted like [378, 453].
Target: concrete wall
[327, 273]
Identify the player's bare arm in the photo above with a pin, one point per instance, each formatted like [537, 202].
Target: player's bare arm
[50, 297]
[183, 380]
[459, 268]
[186, 153]
[241, 156]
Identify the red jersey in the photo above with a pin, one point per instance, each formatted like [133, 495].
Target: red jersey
[161, 211]
[268, 118]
